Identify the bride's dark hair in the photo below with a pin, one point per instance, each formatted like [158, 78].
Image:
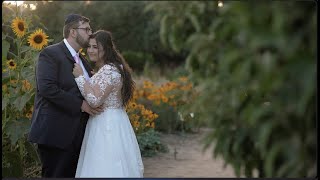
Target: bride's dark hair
[113, 57]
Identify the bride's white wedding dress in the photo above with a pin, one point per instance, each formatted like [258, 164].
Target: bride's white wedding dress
[110, 147]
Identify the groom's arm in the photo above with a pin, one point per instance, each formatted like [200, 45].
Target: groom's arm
[47, 80]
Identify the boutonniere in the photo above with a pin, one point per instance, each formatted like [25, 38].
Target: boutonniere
[81, 51]
[83, 55]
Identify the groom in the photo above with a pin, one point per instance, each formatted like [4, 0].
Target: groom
[61, 113]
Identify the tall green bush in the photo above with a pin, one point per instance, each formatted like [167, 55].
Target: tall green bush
[256, 63]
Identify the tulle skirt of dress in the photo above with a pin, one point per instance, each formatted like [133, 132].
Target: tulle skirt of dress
[110, 147]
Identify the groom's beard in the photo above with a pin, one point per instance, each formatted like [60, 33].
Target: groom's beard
[82, 42]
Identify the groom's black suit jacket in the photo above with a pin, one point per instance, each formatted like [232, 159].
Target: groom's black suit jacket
[57, 107]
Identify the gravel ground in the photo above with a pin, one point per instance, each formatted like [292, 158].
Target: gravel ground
[190, 161]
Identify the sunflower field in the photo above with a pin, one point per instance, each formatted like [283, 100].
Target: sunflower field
[21, 43]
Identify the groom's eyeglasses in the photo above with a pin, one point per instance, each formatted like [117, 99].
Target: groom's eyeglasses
[87, 29]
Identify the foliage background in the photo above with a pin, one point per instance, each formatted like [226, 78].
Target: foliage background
[257, 64]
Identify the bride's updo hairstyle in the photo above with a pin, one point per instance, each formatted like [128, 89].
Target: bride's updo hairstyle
[113, 57]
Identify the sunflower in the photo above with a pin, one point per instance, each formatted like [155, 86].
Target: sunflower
[4, 87]
[11, 64]
[26, 86]
[13, 82]
[29, 115]
[19, 27]
[38, 39]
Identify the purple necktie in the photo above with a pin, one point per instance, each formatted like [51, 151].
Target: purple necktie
[77, 58]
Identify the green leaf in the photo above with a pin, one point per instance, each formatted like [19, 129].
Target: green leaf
[248, 170]
[21, 101]
[264, 137]
[287, 168]
[150, 7]
[238, 144]
[28, 73]
[172, 39]
[25, 49]
[272, 155]
[163, 29]
[16, 129]
[5, 49]
[193, 19]
[32, 151]
[5, 102]
[14, 165]
[4, 36]
[237, 168]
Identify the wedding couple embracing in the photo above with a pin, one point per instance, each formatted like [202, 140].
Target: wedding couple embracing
[79, 121]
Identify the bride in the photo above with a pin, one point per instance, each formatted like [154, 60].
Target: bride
[110, 147]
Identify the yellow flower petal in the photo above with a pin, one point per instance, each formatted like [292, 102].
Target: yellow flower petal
[19, 27]
[38, 39]
[11, 64]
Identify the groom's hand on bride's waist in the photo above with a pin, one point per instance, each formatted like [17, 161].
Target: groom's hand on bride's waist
[85, 107]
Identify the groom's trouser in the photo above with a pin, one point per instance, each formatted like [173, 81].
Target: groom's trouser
[61, 163]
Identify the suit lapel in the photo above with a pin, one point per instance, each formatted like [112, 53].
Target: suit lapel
[67, 52]
[86, 64]
[70, 58]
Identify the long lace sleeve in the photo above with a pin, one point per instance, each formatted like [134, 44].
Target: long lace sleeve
[96, 90]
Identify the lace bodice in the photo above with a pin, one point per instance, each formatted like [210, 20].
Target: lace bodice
[104, 87]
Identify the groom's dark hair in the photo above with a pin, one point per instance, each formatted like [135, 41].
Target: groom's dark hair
[72, 21]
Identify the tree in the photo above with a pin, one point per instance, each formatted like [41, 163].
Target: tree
[132, 27]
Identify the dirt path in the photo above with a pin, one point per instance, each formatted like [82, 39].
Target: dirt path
[189, 162]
